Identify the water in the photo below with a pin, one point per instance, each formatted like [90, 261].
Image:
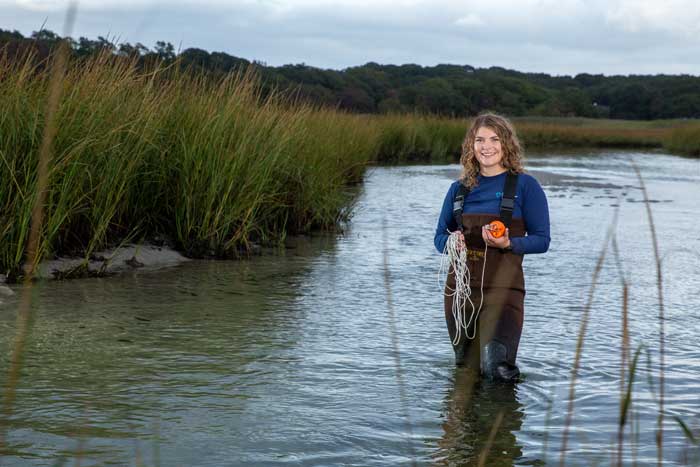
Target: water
[308, 358]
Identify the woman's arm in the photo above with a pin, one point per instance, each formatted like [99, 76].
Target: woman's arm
[536, 217]
[446, 222]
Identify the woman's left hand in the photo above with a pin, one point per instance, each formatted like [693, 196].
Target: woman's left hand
[493, 242]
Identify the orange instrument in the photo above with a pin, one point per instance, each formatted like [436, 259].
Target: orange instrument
[497, 228]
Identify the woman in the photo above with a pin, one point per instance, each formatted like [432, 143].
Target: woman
[492, 181]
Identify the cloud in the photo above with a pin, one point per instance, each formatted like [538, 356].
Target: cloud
[470, 20]
[676, 17]
[40, 5]
[51, 6]
[554, 36]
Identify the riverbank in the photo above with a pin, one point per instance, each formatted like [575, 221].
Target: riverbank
[138, 154]
[411, 138]
[216, 166]
[124, 258]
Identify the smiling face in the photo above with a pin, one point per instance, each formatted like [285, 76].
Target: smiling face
[488, 151]
[490, 147]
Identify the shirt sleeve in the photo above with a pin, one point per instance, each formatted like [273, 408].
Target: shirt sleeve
[446, 222]
[536, 217]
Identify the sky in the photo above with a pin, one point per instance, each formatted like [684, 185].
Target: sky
[558, 37]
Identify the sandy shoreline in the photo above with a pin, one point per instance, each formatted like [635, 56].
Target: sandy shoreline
[108, 262]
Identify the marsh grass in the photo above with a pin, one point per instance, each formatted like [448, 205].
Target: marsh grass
[424, 138]
[217, 165]
[685, 140]
[625, 383]
[627, 377]
[139, 153]
[483, 456]
[578, 355]
[396, 352]
[662, 326]
[545, 135]
[413, 137]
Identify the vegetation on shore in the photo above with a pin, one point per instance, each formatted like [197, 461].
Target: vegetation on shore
[406, 138]
[215, 164]
[685, 140]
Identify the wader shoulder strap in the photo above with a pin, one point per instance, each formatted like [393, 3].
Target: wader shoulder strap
[508, 199]
[458, 204]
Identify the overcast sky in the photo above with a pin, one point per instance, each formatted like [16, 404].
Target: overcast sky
[560, 37]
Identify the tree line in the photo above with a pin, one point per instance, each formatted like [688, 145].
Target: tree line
[449, 90]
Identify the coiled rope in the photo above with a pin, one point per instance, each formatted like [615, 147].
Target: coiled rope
[455, 256]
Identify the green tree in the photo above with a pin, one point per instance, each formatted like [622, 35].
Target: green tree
[165, 51]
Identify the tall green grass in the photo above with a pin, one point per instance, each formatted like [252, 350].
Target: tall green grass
[138, 153]
[685, 140]
[216, 165]
[411, 138]
[562, 134]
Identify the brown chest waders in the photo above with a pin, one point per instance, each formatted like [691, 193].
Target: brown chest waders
[499, 326]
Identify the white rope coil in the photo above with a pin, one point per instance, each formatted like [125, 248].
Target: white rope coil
[455, 255]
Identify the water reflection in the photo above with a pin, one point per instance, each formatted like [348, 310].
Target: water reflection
[184, 349]
[478, 416]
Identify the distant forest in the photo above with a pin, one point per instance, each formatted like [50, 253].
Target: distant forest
[449, 90]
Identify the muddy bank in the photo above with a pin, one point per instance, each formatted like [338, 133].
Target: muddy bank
[149, 257]
[111, 261]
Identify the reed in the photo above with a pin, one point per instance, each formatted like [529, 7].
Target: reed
[544, 135]
[25, 316]
[630, 368]
[625, 387]
[214, 165]
[413, 137]
[685, 140]
[424, 138]
[396, 352]
[483, 456]
[662, 326]
[578, 355]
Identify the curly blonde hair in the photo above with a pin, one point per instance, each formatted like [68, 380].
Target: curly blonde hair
[510, 145]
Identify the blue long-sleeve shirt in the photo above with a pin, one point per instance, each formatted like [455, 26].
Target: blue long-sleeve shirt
[485, 198]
